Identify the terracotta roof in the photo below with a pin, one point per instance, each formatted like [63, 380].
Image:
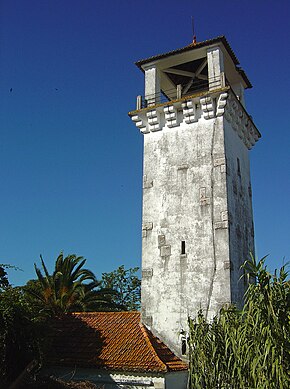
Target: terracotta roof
[111, 341]
[198, 45]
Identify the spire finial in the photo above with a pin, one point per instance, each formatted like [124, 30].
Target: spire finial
[193, 32]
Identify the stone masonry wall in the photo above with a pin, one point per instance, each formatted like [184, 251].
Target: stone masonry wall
[197, 212]
[184, 200]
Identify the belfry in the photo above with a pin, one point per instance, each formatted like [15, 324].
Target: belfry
[197, 223]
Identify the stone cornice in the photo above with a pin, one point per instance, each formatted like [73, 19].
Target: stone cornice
[240, 120]
[185, 98]
[190, 109]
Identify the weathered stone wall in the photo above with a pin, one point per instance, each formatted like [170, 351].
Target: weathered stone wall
[239, 194]
[184, 200]
[197, 212]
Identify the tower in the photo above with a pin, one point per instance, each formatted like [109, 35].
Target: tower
[197, 224]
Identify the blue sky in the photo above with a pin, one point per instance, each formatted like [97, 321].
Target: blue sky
[71, 159]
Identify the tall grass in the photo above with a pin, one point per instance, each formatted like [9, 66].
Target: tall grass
[248, 348]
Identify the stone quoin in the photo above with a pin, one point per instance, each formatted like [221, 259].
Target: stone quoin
[197, 226]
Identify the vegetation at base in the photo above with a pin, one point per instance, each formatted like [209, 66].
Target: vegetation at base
[26, 312]
[4, 283]
[21, 333]
[238, 349]
[248, 348]
[126, 286]
[70, 288]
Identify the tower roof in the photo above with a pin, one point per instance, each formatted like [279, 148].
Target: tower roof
[110, 341]
[198, 45]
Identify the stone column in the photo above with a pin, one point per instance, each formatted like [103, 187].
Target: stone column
[215, 60]
[152, 85]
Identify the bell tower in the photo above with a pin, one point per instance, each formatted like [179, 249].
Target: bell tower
[197, 202]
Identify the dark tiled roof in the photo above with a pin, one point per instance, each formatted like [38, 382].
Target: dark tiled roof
[192, 46]
[110, 341]
[198, 45]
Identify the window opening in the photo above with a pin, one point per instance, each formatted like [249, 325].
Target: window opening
[239, 167]
[183, 247]
[183, 346]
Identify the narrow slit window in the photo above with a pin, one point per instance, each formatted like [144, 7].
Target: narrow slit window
[183, 247]
[239, 167]
[183, 347]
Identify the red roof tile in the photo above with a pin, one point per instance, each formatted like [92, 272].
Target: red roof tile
[112, 341]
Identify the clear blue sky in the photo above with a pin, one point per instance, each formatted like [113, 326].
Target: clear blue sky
[71, 159]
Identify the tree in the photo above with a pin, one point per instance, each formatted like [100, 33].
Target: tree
[21, 333]
[248, 348]
[4, 283]
[69, 288]
[127, 287]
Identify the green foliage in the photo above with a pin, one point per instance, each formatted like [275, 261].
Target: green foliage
[18, 330]
[70, 288]
[25, 312]
[4, 283]
[21, 333]
[127, 287]
[248, 348]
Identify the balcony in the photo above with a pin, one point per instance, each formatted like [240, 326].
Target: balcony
[195, 86]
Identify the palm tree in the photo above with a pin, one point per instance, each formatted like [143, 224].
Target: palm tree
[70, 288]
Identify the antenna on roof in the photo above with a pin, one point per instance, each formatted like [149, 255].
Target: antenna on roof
[193, 32]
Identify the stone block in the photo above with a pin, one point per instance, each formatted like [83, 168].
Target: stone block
[147, 183]
[219, 161]
[147, 272]
[165, 251]
[182, 167]
[161, 240]
[227, 265]
[202, 193]
[224, 215]
[148, 320]
[140, 124]
[159, 385]
[189, 111]
[147, 226]
[205, 201]
[170, 113]
[207, 107]
[221, 225]
[153, 118]
[224, 169]
[222, 163]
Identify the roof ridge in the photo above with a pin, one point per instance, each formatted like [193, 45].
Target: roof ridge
[144, 331]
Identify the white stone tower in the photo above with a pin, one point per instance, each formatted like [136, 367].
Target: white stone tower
[197, 207]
